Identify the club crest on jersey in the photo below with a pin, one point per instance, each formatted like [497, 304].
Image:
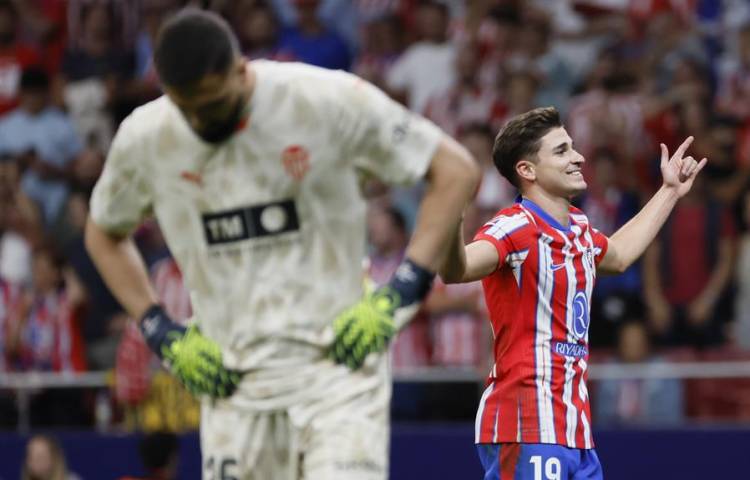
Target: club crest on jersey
[254, 221]
[296, 161]
[588, 256]
[580, 315]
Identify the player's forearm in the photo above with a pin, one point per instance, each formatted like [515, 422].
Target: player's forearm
[634, 237]
[453, 266]
[452, 181]
[122, 268]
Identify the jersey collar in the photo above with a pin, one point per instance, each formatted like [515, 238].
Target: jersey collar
[525, 202]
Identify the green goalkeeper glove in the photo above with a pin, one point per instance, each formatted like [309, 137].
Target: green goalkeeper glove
[365, 328]
[369, 326]
[195, 360]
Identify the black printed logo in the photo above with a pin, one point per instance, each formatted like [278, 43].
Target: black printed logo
[250, 222]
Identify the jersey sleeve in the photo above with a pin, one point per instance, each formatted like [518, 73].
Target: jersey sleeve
[382, 137]
[123, 194]
[506, 233]
[601, 243]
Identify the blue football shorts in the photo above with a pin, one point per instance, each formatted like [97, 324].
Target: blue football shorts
[538, 461]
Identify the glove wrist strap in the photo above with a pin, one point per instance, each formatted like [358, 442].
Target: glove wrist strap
[412, 282]
[155, 325]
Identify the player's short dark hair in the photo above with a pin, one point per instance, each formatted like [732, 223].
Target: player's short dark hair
[192, 44]
[521, 138]
[157, 449]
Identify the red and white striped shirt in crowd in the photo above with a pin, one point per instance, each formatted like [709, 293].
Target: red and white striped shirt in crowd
[50, 338]
[538, 300]
[411, 347]
[458, 107]
[458, 335]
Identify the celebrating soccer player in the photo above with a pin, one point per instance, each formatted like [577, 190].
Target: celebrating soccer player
[253, 171]
[538, 260]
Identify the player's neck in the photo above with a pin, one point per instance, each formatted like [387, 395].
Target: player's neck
[556, 207]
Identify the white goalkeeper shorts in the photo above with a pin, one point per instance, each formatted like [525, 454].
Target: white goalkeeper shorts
[342, 434]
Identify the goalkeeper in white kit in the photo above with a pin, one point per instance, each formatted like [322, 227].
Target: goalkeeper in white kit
[253, 172]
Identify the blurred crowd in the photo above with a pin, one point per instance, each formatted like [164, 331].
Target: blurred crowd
[627, 75]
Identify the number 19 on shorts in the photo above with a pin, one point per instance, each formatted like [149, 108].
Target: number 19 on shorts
[546, 470]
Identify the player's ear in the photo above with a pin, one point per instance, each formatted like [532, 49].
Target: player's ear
[526, 170]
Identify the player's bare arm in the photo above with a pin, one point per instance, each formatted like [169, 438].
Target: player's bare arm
[122, 268]
[630, 241]
[468, 263]
[452, 177]
[452, 180]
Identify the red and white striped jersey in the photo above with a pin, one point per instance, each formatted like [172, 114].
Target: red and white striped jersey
[538, 300]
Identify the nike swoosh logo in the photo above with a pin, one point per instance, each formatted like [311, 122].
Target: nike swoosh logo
[557, 267]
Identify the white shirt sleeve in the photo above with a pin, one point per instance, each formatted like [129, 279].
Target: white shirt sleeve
[123, 194]
[381, 136]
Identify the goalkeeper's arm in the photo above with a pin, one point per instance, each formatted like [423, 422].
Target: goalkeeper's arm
[368, 326]
[194, 359]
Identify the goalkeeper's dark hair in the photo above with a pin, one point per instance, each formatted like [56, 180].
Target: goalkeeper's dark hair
[157, 449]
[192, 44]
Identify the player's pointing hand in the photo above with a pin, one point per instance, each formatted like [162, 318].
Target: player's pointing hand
[679, 171]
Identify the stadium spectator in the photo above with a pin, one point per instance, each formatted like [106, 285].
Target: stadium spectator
[43, 24]
[94, 71]
[310, 41]
[734, 79]
[686, 300]
[741, 326]
[494, 190]
[258, 33]
[45, 460]
[382, 44]
[610, 202]
[46, 336]
[534, 54]
[44, 141]
[466, 100]
[144, 84]
[427, 66]
[655, 401]
[159, 452]
[14, 58]
[20, 223]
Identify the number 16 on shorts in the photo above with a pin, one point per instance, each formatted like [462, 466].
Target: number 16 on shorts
[536, 461]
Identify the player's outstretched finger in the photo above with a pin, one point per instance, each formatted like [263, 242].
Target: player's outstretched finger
[664, 155]
[683, 148]
[700, 165]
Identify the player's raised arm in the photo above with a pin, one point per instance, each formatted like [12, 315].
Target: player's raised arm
[630, 241]
[452, 180]
[398, 146]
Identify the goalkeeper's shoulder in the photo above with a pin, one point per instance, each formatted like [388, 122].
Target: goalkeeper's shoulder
[146, 121]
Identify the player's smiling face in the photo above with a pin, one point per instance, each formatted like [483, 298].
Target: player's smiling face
[558, 167]
[215, 106]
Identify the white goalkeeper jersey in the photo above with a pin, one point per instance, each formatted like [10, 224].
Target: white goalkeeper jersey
[268, 228]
